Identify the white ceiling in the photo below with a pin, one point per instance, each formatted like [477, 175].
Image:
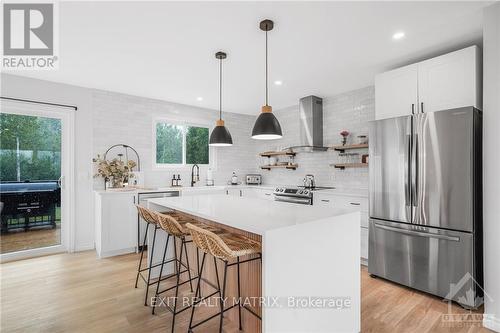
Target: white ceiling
[165, 50]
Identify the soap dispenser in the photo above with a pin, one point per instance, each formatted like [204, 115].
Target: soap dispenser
[234, 179]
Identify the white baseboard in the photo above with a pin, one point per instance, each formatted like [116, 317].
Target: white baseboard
[491, 322]
[85, 247]
[107, 254]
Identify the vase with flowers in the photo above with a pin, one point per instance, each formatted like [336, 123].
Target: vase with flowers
[116, 171]
[344, 134]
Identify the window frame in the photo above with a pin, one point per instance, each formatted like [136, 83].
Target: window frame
[184, 124]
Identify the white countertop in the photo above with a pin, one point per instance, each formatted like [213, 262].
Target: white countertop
[249, 214]
[180, 189]
[336, 191]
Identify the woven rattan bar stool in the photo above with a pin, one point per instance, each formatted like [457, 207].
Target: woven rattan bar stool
[226, 247]
[151, 219]
[173, 223]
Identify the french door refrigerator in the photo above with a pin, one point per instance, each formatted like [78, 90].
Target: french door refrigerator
[425, 228]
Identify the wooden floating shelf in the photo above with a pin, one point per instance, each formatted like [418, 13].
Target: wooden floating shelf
[348, 147]
[288, 166]
[277, 153]
[342, 166]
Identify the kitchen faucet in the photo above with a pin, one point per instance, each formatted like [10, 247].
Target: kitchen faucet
[195, 177]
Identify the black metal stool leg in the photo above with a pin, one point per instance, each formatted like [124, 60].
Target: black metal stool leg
[177, 286]
[150, 264]
[222, 296]
[198, 266]
[142, 255]
[239, 291]
[193, 304]
[175, 256]
[218, 288]
[161, 272]
[187, 262]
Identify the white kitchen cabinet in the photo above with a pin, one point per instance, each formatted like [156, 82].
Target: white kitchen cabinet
[344, 201]
[116, 223]
[364, 244]
[396, 92]
[237, 192]
[449, 81]
[203, 190]
[259, 193]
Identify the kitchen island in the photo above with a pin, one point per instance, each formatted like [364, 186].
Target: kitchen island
[310, 279]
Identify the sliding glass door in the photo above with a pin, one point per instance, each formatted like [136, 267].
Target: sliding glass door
[35, 166]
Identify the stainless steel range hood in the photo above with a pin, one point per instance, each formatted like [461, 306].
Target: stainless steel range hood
[311, 125]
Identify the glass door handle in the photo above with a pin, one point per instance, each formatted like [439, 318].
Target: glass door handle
[60, 182]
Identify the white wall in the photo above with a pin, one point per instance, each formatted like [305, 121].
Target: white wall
[491, 159]
[26, 88]
[352, 111]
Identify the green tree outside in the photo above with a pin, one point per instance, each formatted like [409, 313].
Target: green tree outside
[30, 148]
[197, 145]
[169, 142]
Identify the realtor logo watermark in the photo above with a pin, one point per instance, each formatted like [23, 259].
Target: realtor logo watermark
[30, 32]
[463, 293]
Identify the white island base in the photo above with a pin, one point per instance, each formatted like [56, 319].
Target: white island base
[310, 276]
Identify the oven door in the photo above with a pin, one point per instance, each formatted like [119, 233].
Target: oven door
[291, 199]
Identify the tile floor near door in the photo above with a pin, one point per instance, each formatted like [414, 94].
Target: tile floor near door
[80, 293]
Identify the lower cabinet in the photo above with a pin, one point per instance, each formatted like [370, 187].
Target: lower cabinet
[364, 244]
[202, 190]
[340, 201]
[116, 223]
[237, 192]
[259, 193]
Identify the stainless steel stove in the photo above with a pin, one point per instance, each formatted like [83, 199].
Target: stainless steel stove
[299, 194]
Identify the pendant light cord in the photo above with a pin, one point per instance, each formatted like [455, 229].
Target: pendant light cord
[267, 89]
[220, 90]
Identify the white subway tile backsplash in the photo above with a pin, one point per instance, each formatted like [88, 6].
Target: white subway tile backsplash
[350, 111]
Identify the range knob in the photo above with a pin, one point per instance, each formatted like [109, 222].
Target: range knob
[277, 189]
[306, 192]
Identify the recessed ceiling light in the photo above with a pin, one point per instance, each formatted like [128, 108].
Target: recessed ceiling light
[199, 99]
[398, 35]
[278, 82]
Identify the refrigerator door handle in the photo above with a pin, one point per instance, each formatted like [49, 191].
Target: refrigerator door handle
[418, 233]
[414, 171]
[408, 200]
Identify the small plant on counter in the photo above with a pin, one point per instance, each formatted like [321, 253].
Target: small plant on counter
[344, 134]
[116, 171]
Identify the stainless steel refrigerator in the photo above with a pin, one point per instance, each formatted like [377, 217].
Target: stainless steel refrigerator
[425, 227]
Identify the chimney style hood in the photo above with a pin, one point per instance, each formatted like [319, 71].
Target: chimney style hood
[311, 125]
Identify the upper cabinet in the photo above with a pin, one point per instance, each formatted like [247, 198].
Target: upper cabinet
[396, 92]
[445, 82]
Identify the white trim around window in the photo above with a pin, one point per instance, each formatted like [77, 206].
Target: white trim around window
[211, 151]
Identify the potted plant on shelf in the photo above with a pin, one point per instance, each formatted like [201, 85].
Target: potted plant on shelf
[116, 172]
[344, 134]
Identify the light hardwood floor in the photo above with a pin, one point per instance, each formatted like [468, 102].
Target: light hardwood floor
[80, 293]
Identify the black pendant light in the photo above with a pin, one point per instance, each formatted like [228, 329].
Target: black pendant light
[266, 127]
[220, 136]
